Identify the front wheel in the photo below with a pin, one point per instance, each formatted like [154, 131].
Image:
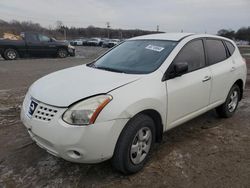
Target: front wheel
[228, 108]
[10, 54]
[62, 53]
[134, 145]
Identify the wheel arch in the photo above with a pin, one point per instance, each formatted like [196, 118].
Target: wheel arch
[240, 83]
[62, 47]
[11, 47]
[155, 115]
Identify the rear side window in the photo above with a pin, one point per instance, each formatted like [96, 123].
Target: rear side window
[193, 54]
[230, 47]
[216, 51]
[31, 37]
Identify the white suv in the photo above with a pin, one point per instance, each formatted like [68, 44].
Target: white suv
[118, 106]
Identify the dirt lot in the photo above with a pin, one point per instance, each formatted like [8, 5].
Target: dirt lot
[205, 152]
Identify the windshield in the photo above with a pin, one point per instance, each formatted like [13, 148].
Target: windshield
[136, 56]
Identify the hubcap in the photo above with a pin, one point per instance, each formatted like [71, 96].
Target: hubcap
[233, 101]
[62, 53]
[141, 145]
[11, 55]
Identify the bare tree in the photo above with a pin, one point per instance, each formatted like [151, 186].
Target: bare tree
[59, 24]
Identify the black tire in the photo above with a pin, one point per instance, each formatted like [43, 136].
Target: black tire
[10, 54]
[2, 56]
[226, 110]
[62, 53]
[123, 156]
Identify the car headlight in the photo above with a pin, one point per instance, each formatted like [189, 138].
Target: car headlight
[85, 112]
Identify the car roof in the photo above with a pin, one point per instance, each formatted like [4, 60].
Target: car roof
[175, 36]
[163, 36]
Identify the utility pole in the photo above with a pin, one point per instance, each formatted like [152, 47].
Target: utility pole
[65, 34]
[108, 27]
[158, 28]
[121, 34]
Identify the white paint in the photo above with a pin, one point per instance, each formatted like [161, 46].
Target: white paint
[177, 100]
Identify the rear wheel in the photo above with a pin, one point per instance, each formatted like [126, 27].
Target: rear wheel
[228, 108]
[134, 145]
[62, 53]
[10, 54]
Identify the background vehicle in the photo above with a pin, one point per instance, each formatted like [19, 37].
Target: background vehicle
[34, 44]
[110, 43]
[94, 42]
[138, 90]
[76, 42]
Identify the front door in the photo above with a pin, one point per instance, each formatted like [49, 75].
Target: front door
[188, 95]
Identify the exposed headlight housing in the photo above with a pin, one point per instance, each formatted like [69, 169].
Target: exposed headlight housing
[70, 46]
[85, 112]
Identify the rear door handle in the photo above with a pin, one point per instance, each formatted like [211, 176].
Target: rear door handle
[206, 78]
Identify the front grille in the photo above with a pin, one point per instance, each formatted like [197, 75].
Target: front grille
[45, 112]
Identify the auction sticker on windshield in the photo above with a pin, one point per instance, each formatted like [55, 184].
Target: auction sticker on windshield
[154, 48]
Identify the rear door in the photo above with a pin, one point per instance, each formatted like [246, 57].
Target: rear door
[188, 95]
[222, 69]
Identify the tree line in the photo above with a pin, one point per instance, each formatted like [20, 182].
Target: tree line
[242, 34]
[59, 31]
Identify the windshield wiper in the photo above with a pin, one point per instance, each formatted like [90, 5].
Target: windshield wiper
[109, 69]
[92, 64]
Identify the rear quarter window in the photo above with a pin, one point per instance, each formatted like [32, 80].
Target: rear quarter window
[230, 47]
[216, 51]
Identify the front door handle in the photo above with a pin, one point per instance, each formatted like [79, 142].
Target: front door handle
[206, 78]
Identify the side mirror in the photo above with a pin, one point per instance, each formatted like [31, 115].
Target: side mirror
[180, 68]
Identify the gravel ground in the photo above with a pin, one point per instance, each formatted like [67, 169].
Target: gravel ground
[205, 152]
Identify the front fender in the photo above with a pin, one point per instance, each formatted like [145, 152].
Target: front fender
[148, 93]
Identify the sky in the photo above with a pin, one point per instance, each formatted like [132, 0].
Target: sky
[198, 16]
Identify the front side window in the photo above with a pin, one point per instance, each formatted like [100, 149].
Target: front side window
[216, 51]
[43, 38]
[136, 56]
[193, 54]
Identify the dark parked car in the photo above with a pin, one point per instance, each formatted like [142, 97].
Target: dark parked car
[94, 42]
[34, 44]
